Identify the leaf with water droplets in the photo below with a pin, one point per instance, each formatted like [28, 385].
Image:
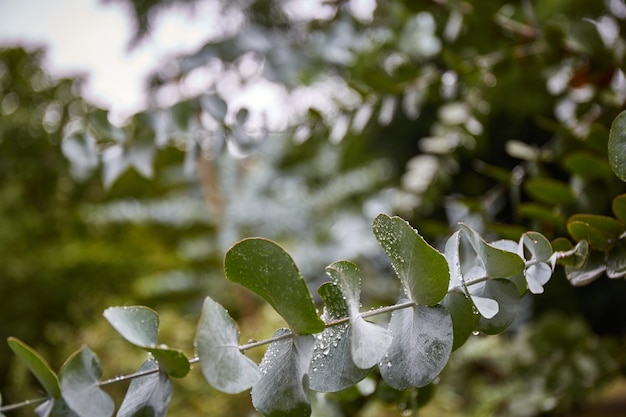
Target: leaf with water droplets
[80, 378]
[332, 367]
[616, 261]
[265, 268]
[283, 389]
[148, 395]
[422, 270]
[591, 270]
[222, 364]
[137, 324]
[421, 346]
[369, 342]
[497, 263]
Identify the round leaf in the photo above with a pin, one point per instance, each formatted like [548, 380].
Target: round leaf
[37, 365]
[505, 293]
[619, 207]
[80, 378]
[589, 272]
[498, 263]
[422, 270]
[265, 268]
[148, 395]
[464, 317]
[171, 361]
[222, 364]
[137, 324]
[584, 231]
[617, 146]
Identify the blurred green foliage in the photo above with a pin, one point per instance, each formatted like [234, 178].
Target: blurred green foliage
[494, 114]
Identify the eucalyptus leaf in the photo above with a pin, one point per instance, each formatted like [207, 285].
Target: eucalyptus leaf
[332, 367]
[265, 268]
[537, 245]
[550, 191]
[37, 365]
[421, 345]
[619, 207]
[137, 324]
[171, 361]
[282, 391]
[537, 276]
[222, 364]
[369, 342]
[589, 272]
[597, 239]
[80, 378]
[505, 293]
[464, 317]
[54, 407]
[497, 263]
[617, 146]
[616, 261]
[422, 270]
[148, 395]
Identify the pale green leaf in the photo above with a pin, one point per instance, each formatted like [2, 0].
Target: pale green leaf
[137, 324]
[148, 395]
[37, 365]
[617, 146]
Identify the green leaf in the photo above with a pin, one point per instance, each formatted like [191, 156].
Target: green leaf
[282, 391]
[607, 225]
[369, 342]
[422, 270]
[332, 368]
[54, 407]
[464, 317]
[148, 395]
[597, 238]
[619, 207]
[37, 365]
[541, 213]
[497, 263]
[593, 268]
[421, 345]
[505, 293]
[587, 166]
[137, 324]
[80, 378]
[617, 146]
[538, 275]
[537, 245]
[265, 268]
[171, 361]
[550, 191]
[222, 364]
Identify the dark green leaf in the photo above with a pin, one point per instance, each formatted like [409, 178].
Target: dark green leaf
[541, 213]
[617, 146]
[421, 345]
[619, 207]
[171, 361]
[222, 364]
[497, 263]
[587, 166]
[332, 368]
[80, 378]
[589, 272]
[369, 341]
[148, 395]
[607, 225]
[37, 365]
[597, 239]
[54, 407]
[282, 391]
[550, 191]
[137, 324]
[505, 293]
[422, 270]
[266, 269]
[464, 316]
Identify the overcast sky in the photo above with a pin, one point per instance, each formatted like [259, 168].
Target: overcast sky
[88, 37]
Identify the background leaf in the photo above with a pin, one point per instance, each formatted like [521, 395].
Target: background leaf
[283, 388]
[222, 364]
[421, 346]
[617, 146]
[80, 378]
[148, 395]
[265, 268]
[37, 365]
[619, 207]
[505, 293]
[422, 270]
[549, 191]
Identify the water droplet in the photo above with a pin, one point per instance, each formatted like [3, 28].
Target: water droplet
[335, 344]
[475, 332]
[314, 369]
[388, 364]
[326, 351]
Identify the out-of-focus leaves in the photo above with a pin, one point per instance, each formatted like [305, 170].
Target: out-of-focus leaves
[549, 191]
[619, 207]
[602, 232]
[587, 166]
[422, 270]
[266, 269]
[617, 146]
